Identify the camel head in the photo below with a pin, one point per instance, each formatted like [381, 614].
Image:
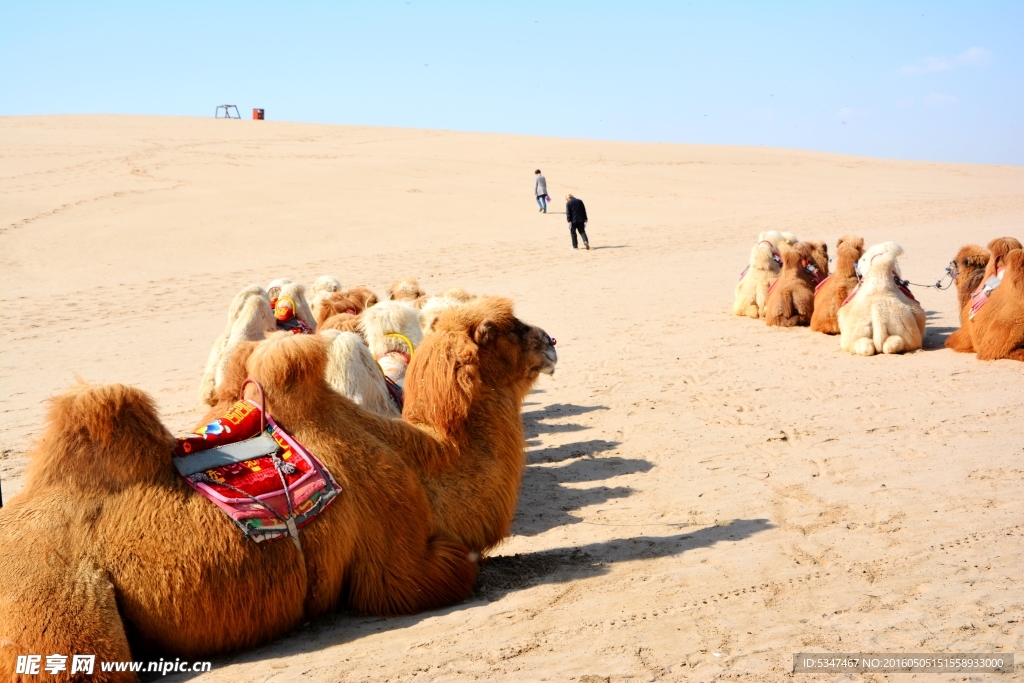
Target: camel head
[101, 439]
[879, 262]
[406, 289]
[274, 288]
[473, 350]
[853, 241]
[1000, 247]
[849, 250]
[762, 257]
[797, 258]
[819, 256]
[325, 284]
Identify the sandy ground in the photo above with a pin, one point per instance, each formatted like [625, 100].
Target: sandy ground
[704, 496]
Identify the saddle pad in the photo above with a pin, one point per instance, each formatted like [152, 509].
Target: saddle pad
[264, 480]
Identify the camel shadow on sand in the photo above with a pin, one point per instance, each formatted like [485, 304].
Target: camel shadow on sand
[499, 577]
[935, 337]
[546, 498]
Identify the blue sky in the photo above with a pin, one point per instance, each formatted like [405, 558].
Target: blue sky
[933, 80]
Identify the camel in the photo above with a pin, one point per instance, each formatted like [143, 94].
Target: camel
[296, 294]
[353, 372]
[880, 316]
[341, 322]
[274, 289]
[997, 330]
[790, 300]
[962, 340]
[830, 294]
[250, 318]
[752, 289]
[968, 270]
[392, 331]
[406, 289]
[819, 257]
[461, 427]
[323, 285]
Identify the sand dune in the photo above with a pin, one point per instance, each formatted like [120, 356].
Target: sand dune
[704, 497]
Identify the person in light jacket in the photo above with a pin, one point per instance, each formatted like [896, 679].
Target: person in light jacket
[576, 214]
[540, 188]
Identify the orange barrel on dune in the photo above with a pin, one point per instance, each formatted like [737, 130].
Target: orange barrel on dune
[257, 114]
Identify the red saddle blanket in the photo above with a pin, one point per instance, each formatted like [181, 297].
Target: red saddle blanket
[261, 477]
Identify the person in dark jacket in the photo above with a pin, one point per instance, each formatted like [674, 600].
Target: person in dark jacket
[576, 214]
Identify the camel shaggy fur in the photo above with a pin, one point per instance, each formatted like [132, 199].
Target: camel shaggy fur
[962, 340]
[323, 285]
[274, 288]
[791, 301]
[752, 289]
[969, 266]
[352, 372]
[997, 330]
[297, 293]
[406, 289]
[829, 297]
[250, 318]
[342, 322]
[383, 327]
[819, 257]
[106, 539]
[880, 318]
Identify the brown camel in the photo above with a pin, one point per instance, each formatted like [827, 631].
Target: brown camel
[791, 300]
[343, 322]
[962, 339]
[819, 257]
[830, 294]
[997, 330]
[157, 558]
[461, 426]
[969, 271]
[353, 301]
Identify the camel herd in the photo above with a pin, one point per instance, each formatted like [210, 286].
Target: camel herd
[867, 303]
[412, 404]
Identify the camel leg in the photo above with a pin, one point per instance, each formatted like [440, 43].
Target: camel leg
[1016, 354]
[864, 347]
[752, 311]
[78, 609]
[443, 574]
[960, 341]
[894, 344]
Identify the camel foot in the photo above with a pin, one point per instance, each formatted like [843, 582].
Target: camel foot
[894, 344]
[864, 347]
[752, 312]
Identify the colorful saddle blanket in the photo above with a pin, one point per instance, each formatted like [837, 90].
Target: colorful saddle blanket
[262, 478]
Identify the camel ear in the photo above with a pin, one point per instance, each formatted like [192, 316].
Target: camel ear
[485, 332]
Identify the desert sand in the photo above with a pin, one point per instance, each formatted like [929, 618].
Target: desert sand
[703, 496]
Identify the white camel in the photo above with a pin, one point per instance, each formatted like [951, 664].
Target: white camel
[880, 316]
[752, 289]
[250, 318]
[392, 332]
[353, 372]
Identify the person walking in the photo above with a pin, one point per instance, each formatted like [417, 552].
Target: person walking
[540, 188]
[576, 214]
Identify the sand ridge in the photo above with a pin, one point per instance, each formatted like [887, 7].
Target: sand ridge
[703, 495]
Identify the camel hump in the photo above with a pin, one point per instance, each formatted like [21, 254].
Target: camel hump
[101, 438]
